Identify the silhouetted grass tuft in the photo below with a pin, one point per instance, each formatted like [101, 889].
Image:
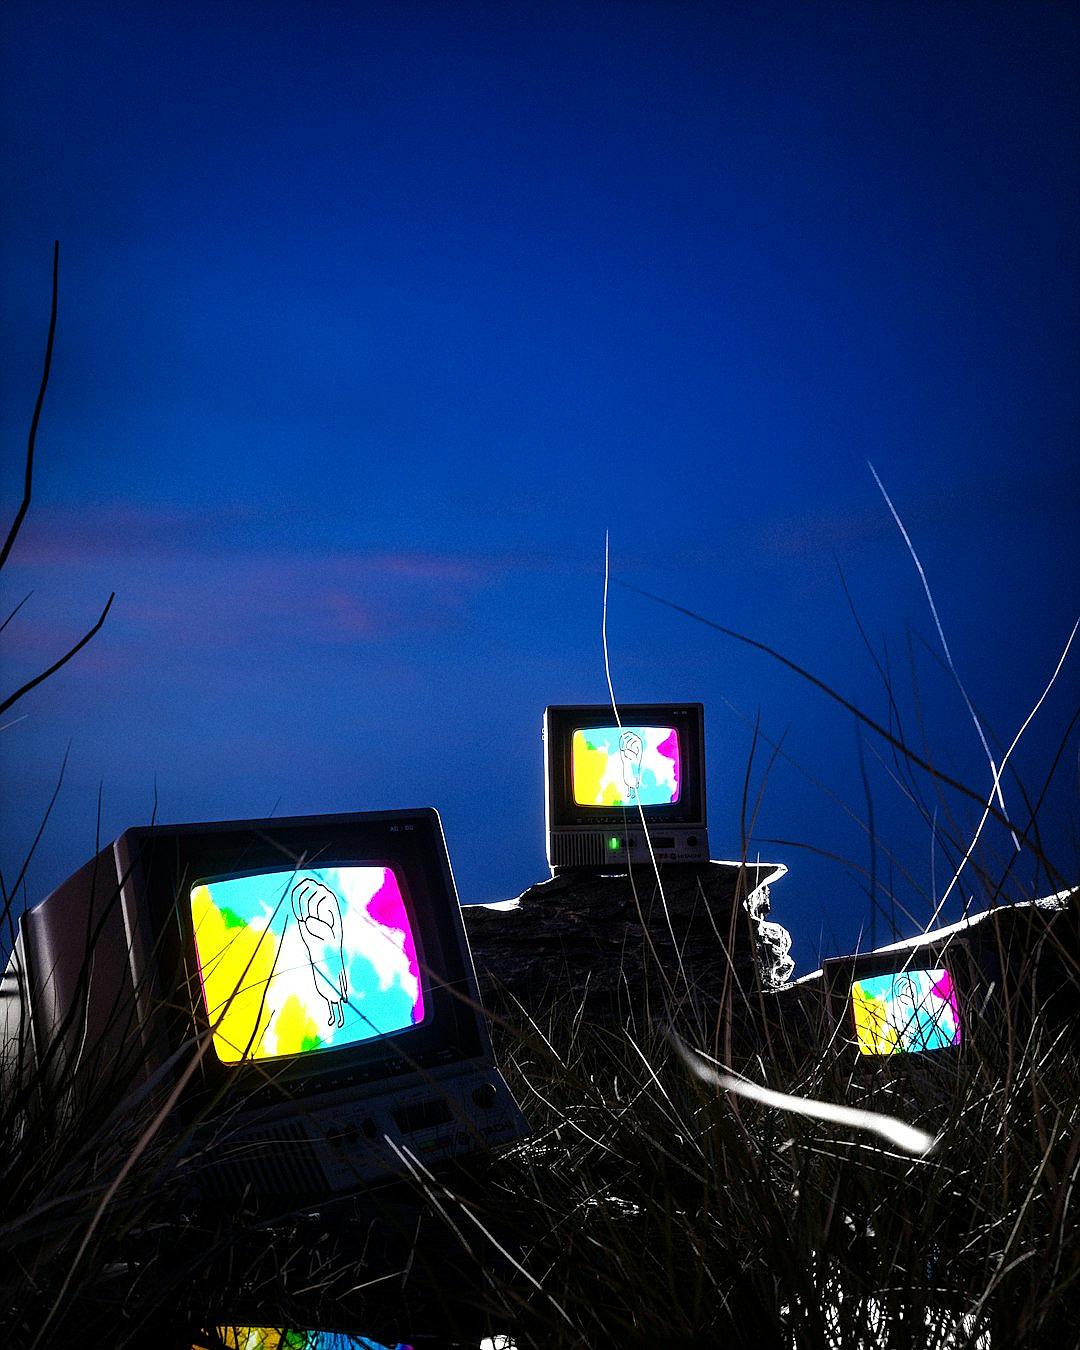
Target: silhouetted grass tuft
[649, 1208]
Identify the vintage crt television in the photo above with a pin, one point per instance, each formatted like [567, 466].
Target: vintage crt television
[320, 966]
[972, 983]
[1013, 966]
[610, 778]
[907, 1000]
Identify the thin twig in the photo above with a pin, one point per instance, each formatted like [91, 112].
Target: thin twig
[15, 610]
[32, 684]
[24, 505]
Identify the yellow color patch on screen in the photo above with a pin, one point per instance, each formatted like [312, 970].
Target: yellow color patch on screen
[236, 963]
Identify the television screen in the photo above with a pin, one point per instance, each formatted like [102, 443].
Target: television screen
[905, 1011]
[625, 766]
[275, 1338]
[293, 962]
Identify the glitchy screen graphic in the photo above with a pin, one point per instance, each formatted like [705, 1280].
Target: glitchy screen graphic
[625, 766]
[277, 1338]
[301, 961]
[912, 1010]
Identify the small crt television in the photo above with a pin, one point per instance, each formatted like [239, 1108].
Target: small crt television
[616, 782]
[911, 1000]
[303, 986]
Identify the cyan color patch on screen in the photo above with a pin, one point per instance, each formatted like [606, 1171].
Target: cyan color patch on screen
[625, 766]
[294, 962]
[903, 1011]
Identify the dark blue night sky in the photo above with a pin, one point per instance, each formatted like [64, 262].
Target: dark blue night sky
[375, 317]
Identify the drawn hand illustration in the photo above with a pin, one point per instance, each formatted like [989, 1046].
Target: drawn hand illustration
[318, 916]
[905, 1011]
[630, 748]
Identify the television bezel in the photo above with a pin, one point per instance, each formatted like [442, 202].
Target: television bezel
[161, 863]
[560, 723]
[842, 972]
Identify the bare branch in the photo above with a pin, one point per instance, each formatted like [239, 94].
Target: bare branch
[24, 506]
[20, 515]
[31, 684]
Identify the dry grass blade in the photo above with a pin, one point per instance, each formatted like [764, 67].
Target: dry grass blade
[945, 647]
[850, 707]
[987, 808]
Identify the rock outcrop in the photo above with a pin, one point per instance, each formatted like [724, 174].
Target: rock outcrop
[620, 949]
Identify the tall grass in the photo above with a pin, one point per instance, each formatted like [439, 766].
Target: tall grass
[663, 1211]
[649, 1208]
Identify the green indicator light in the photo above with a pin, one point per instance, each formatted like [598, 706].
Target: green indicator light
[613, 843]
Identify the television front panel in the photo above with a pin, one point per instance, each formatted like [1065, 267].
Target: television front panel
[611, 778]
[911, 1000]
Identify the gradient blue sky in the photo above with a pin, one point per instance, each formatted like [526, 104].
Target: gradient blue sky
[375, 317]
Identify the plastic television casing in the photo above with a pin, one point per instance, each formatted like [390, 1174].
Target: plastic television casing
[952, 954]
[610, 838]
[310, 1126]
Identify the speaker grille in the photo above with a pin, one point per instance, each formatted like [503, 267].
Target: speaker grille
[280, 1159]
[577, 850]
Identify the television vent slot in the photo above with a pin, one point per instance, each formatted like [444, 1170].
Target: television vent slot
[578, 850]
[280, 1159]
[423, 1115]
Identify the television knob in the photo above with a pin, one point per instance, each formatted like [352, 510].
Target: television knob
[692, 841]
[484, 1096]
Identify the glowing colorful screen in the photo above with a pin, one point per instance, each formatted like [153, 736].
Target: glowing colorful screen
[277, 1338]
[625, 766]
[908, 1010]
[293, 962]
